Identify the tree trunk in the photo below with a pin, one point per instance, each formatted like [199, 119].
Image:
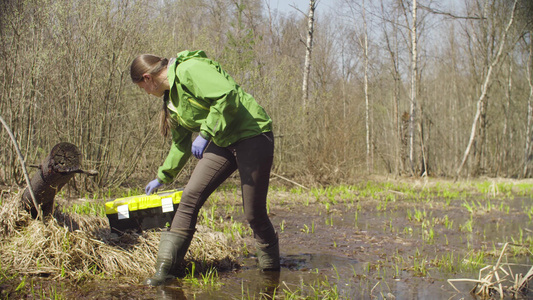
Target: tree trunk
[308, 50]
[481, 139]
[369, 161]
[529, 137]
[506, 140]
[63, 162]
[398, 126]
[414, 76]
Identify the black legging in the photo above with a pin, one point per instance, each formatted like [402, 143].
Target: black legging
[253, 158]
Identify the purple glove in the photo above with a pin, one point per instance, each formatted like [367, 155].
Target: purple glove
[198, 146]
[152, 186]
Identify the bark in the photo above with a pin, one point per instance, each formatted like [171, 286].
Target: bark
[529, 138]
[63, 162]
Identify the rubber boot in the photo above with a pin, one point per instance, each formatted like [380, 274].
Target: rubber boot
[268, 256]
[172, 249]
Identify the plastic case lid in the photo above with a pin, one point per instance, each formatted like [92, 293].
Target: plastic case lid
[141, 202]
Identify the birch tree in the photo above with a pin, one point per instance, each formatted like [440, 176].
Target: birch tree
[308, 50]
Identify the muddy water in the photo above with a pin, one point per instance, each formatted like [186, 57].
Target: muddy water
[405, 249]
[360, 249]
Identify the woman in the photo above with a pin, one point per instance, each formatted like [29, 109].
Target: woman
[234, 133]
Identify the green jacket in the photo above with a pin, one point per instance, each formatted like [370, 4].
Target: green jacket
[204, 98]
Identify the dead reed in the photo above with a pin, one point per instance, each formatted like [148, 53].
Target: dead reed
[498, 279]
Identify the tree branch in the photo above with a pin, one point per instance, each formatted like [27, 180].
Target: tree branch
[439, 12]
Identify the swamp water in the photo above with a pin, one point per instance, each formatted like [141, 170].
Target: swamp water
[345, 244]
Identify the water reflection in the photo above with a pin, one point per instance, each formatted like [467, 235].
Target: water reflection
[170, 292]
[311, 261]
[259, 283]
[269, 283]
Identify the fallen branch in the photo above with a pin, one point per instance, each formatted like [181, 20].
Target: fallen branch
[286, 179]
[291, 181]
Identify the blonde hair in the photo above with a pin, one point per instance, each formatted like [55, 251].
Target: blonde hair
[153, 64]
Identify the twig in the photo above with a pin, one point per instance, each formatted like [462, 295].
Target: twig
[26, 176]
[87, 172]
[462, 280]
[439, 12]
[293, 182]
[372, 290]
[79, 171]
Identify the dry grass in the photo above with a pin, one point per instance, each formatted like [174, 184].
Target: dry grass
[80, 247]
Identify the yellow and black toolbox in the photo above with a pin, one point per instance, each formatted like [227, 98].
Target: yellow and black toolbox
[142, 212]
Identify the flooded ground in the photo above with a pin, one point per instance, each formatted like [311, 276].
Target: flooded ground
[346, 243]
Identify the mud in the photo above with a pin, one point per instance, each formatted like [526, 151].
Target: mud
[354, 248]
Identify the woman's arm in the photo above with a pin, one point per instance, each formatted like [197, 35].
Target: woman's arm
[179, 153]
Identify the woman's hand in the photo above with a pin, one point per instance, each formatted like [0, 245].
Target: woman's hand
[152, 186]
[198, 146]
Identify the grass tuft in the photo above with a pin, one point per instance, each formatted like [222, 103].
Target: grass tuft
[81, 246]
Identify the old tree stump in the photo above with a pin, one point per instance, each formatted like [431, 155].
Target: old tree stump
[63, 162]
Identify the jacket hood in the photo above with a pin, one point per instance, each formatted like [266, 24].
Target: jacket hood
[181, 57]
[186, 55]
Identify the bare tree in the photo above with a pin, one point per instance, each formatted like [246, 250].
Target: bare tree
[529, 137]
[65, 79]
[391, 45]
[484, 89]
[369, 163]
[414, 77]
